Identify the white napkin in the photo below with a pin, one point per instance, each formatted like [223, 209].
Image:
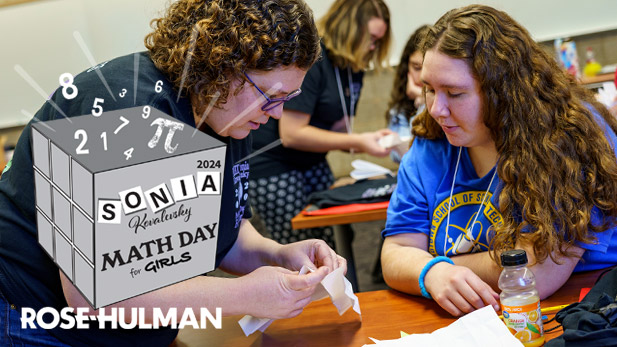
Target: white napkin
[606, 94]
[334, 285]
[365, 169]
[479, 328]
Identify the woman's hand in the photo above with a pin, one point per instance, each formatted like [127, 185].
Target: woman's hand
[274, 292]
[458, 290]
[312, 253]
[369, 143]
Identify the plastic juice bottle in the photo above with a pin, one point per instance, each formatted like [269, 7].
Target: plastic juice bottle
[519, 298]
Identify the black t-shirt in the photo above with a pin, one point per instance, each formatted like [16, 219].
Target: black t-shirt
[321, 99]
[28, 276]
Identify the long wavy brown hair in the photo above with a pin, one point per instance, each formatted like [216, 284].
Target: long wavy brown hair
[224, 38]
[398, 97]
[555, 162]
[344, 30]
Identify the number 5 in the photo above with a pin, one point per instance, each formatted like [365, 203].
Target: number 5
[97, 109]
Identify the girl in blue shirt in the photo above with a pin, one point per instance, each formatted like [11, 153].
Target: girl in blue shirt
[510, 153]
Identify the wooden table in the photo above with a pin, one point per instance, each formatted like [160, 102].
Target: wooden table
[343, 233]
[384, 314]
[303, 222]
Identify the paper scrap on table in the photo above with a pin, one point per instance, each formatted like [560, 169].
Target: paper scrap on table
[479, 328]
[334, 285]
[365, 169]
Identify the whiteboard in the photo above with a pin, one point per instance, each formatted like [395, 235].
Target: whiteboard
[39, 36]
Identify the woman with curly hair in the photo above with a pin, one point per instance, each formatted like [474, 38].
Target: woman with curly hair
[224, 67]
[511, 152]
[406, 99]
[355, 34]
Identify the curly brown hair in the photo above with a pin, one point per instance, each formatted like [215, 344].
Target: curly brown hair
[224, 38]
[556, 166]
[398, 98]
[344, 30]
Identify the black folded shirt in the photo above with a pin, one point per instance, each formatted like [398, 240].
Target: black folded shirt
[361, 192]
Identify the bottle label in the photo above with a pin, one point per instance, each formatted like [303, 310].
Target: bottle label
[524, 322]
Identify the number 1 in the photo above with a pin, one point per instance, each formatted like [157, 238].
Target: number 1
[104, 137]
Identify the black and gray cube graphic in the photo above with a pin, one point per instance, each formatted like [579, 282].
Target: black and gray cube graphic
[127, 202]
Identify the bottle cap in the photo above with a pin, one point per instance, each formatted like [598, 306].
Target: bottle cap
[514, 257]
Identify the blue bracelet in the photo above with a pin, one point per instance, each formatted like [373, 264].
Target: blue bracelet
[427, 267]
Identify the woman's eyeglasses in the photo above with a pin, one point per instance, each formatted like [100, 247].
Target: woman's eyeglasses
[273, 102]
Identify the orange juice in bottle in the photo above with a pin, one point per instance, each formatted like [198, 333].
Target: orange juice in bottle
[519, 298]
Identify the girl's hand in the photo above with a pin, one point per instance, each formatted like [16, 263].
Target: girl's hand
[458, 289]
[369, 143]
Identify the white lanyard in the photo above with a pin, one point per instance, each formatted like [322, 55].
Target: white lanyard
[352, 98]
[470, 230]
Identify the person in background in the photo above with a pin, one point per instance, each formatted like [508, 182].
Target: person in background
[510, 152]
[406, 99]
[355, 35]
[215, 52]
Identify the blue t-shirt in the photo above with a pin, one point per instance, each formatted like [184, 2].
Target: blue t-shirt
[420, 204]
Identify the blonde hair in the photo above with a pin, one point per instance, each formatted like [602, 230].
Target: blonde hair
[344, 31]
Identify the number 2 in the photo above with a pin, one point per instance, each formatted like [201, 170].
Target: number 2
[84, 135]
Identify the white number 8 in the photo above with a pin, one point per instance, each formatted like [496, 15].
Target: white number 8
[66, 81]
